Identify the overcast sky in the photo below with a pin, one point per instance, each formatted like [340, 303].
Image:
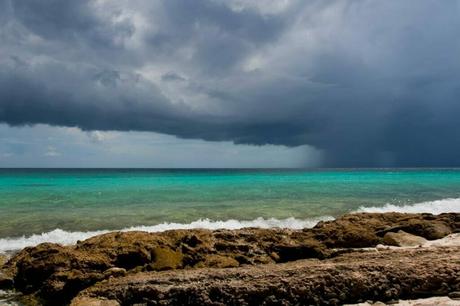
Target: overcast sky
[229, 83]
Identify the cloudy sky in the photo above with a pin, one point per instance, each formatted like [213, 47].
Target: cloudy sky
[229, 83]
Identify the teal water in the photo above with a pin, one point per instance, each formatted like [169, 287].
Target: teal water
[38, 201]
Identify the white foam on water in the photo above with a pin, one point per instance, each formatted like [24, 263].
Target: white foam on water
[433, 207]
[65, 237]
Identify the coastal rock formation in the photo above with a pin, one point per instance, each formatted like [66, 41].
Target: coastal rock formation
[58, 273]
[348, 278]
[403, 239]
[367, 229]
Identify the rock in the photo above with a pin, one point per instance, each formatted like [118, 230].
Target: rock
[403, 239]
[367, 229]
[218, 261]
[52, 268]
[347, 278]
[3, 260]
[346, 232]
[6, 282]
[165, 259]
[308, 249]
[115, 272]
[454, 295]
[88, 301]
[381, 247]
[432, 301]
[26, 300]
[429, 229]
[275, 256]
[449, 240]
[55, 272]
[428, 226]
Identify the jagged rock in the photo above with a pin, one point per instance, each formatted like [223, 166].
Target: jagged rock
[348, 278]
[58, 272]
[367, 229]
[403, 239]
[55, 272]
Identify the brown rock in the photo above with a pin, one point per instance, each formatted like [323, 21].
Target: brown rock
[308, 249]
[428, 226]
[348, 278]
[350, 231]
[429, 229]
[218, 261]
[28, 300]
[403, 239]
[59, 272]
[6, 282]
[50, 267]
[166, 259]
[3, 260]
[454, 295]
[88, 301]
[115, 272]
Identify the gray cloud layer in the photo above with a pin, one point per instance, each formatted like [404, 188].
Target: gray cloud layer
[371, 83]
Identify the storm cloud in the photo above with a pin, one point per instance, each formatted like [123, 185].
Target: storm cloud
[369, 83]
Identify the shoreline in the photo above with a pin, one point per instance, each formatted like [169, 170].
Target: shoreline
[66, 237]
[71, 237]
[56, 274]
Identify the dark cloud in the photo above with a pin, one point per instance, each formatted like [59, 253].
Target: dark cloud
[172, 76]
[369, 83]
[69, 21]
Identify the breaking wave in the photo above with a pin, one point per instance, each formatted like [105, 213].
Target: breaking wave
[66, 237]
[433, 207]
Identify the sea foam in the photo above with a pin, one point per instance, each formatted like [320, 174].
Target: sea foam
[434, 207]
[66, 237]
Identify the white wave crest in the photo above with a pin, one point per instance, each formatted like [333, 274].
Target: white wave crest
[65, 237]
[434, 207]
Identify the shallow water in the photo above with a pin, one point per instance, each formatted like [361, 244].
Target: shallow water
[78, 201]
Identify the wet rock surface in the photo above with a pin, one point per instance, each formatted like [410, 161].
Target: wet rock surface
[58, 273]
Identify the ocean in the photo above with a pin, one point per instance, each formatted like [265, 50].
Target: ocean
[66, 205]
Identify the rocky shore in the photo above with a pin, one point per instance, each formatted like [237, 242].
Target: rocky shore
[337, 262]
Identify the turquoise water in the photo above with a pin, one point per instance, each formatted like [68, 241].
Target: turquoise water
[39, 201]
